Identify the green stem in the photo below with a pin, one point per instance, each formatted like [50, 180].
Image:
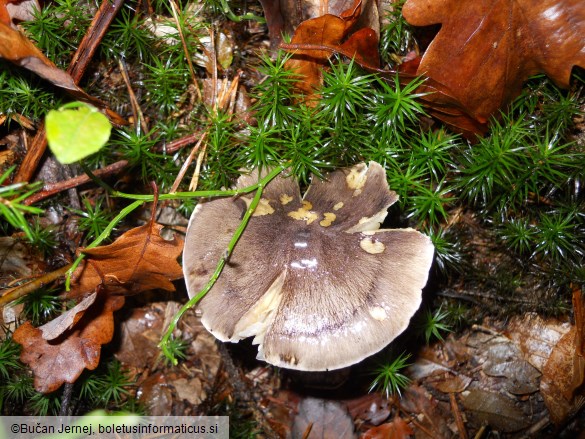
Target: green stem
[221, 263]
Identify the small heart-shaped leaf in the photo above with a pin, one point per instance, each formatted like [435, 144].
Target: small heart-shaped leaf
[76, 131]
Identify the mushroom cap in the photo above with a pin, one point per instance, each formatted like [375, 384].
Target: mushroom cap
[312, 279]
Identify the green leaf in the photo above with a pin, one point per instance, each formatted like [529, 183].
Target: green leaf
[75, 131]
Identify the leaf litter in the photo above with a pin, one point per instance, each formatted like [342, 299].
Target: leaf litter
[504, 374]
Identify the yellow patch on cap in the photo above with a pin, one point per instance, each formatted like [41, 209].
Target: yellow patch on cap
[356, 179]
[304, 213]
[329, 218]
[285, 199]
[378, 313]
[338, 206]
[263, 208]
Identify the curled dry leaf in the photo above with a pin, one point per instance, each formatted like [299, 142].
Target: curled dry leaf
[137, 261]
[316, 39]
[486, 49]
[283, 16]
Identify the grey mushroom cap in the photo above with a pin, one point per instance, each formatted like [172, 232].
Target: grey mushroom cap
[314, 280]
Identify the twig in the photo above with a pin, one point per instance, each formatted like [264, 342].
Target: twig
[54, 188]
[139, 120]
[66, 400]
[480, 432]
[177, 144]
[98, 27]
[457, 415]
[24, 289]
[187, 163]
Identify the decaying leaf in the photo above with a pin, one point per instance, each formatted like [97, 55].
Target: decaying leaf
[495, 410]
[536, 337]
[137, 261]
[432, 416]
[320, 418]
[486, 49]
[504, 358]
[564, 372]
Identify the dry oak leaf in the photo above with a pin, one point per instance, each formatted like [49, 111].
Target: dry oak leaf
[397, 429]
[486, 49]
[137, 261]
[63, 359]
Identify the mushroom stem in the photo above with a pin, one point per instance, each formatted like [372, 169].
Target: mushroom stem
[222, 261]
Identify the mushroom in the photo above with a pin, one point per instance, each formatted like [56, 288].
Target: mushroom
[314, 280]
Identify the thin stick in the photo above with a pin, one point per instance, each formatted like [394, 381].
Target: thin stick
[54, 188]
[139, 120]
[175, 145]
[187, 163]
[27, 288]
[458, 418]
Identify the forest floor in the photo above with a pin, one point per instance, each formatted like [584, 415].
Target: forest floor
[496, 349]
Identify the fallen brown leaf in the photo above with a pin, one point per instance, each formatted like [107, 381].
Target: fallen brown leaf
[64, 358]
[137, 261]
[495, 410]
[18, 49]
[486, 49]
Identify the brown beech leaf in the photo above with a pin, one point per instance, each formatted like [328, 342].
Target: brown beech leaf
[486, 49]
[564, 372]
[61, 360]
[316, 39]
[137, 261]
